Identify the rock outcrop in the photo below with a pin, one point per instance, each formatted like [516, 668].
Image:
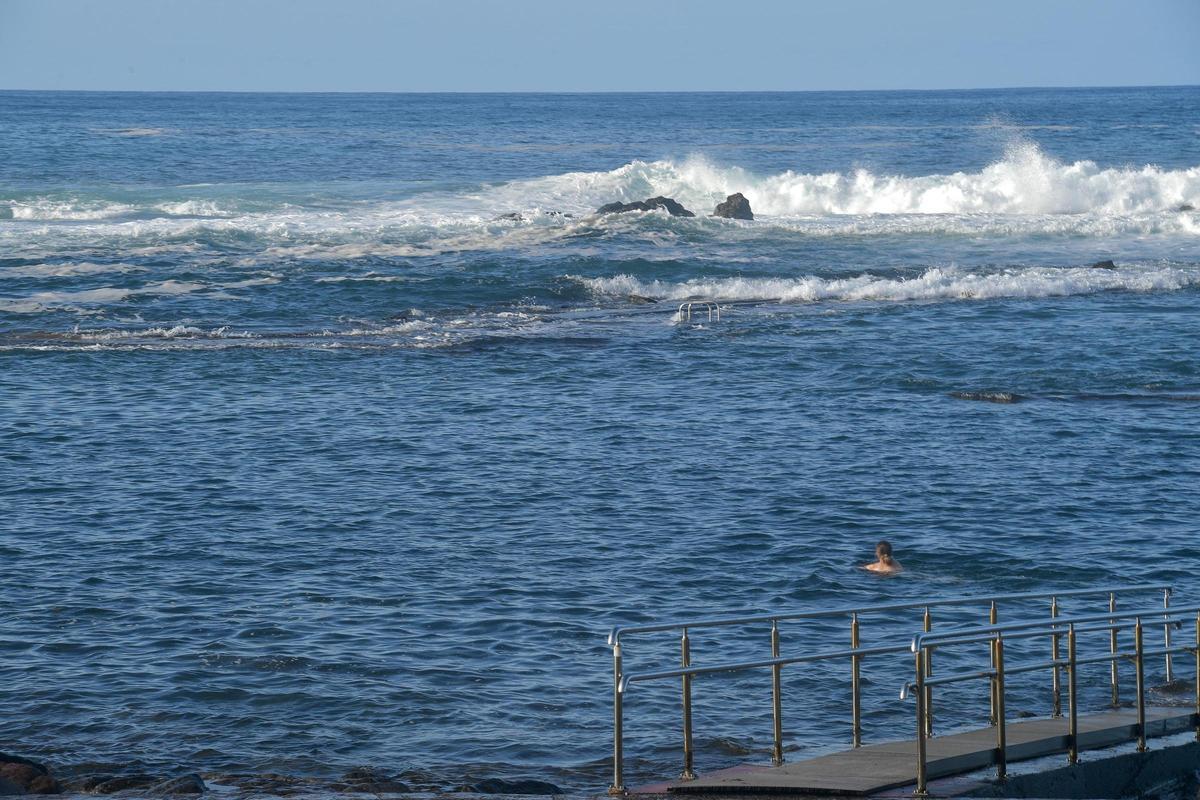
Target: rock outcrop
[736, 206]
[184, 784]
[370, 780]
[673, 208]
[500, 786]
[20, 776]
[1105, 264]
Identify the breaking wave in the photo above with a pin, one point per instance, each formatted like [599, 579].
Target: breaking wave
[1026, 182]
[939, 283]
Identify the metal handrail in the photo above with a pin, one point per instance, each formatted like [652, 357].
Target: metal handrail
[709, 305]
[926, 639]
[687, 671]
[614, 636]
[924, 643]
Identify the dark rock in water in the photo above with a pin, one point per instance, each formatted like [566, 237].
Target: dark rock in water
[673, 208]
[498, 786]
[1106, 264]
[988, 397]
[9, 758]
[512, 216]
[1187, 207]
[184, 784]
[122, 782]
[640, 300]
[44, 784]
[271, 783]
[736, 206]
[373, 781]
[85, 783]
[22, 776]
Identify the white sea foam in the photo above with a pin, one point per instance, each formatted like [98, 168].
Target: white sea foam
[939, 283]
[1024, 181]
[1026, 192]
[180, 331]
[66, 270]
[72, 300]
[79, 210]
[132, 132]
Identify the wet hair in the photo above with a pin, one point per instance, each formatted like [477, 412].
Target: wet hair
[884, 549]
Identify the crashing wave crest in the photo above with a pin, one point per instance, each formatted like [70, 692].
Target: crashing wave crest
[936, 284]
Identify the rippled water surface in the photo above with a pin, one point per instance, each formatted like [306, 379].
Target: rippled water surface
[312, 458]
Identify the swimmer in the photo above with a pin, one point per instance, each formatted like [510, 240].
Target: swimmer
[884, 562]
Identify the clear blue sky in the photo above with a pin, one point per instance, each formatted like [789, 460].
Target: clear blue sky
[594, 45]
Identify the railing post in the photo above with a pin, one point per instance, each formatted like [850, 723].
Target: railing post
[1056, 678]
[686, 660]
[1140, 666]
[1167, 633]
[992, 647]
[1001, 739]
[1112, 651]
[928, 625]
[922, 774]
[1072, 705]
[777, 692]
[1197, 720]
[618, 784]
[855, 686]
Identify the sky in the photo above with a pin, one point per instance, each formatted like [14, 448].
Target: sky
[594, 45]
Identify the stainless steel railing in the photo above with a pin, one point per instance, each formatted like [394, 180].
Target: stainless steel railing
[924, 643]
[684, 314]
[856, 653]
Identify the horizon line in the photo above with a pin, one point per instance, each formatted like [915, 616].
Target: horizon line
[603, 91]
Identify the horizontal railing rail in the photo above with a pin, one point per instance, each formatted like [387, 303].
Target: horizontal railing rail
[687, 671]
[924, 643]
[614, 636]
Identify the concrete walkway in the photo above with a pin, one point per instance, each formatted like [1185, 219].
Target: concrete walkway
[877, 768]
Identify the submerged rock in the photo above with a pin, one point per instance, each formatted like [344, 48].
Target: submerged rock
[641, 300]
[988, 397]
[374, 781]
[184, 784]
[1106, 264]
[673, 208]
[1187, 207]
[44, 784]
[736, 206]
[499, 786]
[122, 782]
[22, 776]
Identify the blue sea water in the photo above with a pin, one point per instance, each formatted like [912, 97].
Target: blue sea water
[310, 457]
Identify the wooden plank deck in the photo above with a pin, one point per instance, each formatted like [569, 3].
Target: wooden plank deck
[877, 768]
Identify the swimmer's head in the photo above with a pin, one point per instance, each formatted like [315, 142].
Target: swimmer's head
[883, 550]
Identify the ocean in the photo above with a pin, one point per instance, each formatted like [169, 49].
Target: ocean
[336, 429]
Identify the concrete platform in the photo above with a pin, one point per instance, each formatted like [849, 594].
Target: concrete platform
[878, 768]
